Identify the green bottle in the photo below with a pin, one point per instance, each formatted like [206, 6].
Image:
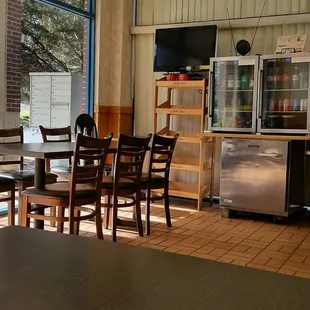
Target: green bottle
[244, 81]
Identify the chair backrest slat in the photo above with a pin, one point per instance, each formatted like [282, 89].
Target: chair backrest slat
[9, 162]
[16, 134]
[88, 157]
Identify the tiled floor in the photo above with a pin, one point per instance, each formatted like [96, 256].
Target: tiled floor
[248, 241]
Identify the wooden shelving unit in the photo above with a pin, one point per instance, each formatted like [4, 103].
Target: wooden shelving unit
[200, 164]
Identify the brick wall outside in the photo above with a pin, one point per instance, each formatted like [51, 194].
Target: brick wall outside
[13, 55]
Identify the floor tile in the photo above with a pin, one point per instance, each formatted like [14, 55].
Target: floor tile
[245, 241]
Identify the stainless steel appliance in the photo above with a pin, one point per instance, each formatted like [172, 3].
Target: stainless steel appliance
[284, 94]
[233, 89]
[262, 176]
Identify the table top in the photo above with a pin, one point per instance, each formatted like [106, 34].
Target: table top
[254, 136]
[44, 150]
[48, 270]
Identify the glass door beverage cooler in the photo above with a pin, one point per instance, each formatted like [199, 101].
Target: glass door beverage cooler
[232, 98]
[284, 94]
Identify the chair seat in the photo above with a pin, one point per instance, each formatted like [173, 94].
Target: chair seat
[24, 175]
[62, 190]
[124, 183]
[157, 181]
[6, 182]
[61, 169]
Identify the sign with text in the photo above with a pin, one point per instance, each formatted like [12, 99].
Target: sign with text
[291, 44]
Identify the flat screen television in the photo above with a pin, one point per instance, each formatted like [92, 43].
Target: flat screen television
[177, 49]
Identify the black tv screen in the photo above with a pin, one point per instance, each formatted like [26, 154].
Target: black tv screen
[178, 48]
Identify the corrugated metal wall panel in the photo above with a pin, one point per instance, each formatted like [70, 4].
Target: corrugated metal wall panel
[155, 12]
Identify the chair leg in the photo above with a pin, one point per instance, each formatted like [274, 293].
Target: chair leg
[138, 215]
[114, 220]
[77, 223]
[20, 188]
[11, 207]
[71, 220]
[24, 210]
[134, 213]
[148, 212]
[166, 204]
[60, 225]
[107, 212]
[98, 221]
[106, 216]
[53, 213]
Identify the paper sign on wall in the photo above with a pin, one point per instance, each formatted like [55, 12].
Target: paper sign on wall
[291, 44]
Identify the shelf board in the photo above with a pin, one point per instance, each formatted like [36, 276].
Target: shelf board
[185, 137]
[183, 163]
[199, 84]
[285, 89]
[232, 111]
[232, 90]
[285, 112]
[186, 190]
[186, 164]
[179, 110]
[256, 136]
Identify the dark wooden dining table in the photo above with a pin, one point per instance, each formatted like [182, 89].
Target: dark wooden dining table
[41, 152]
[47, 270]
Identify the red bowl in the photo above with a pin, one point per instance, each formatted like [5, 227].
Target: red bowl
[171, 77]
[183, 77]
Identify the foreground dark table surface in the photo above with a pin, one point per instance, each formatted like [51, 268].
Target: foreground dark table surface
[47, 270]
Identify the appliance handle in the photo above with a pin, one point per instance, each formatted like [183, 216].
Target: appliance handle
[261, 88]
[271, 155]
[210, 91]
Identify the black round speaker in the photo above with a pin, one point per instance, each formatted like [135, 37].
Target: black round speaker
[243, 47]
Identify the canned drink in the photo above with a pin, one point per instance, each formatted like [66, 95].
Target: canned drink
[280, 105]
[286, 105]
[272, 105]
[303, 104]
[290, 105]
[296, 105]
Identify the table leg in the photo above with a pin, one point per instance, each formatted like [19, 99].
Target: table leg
[39, 183]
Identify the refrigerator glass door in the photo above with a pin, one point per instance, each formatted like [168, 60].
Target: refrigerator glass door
[253, 175]
[284, 94]
[233, 94]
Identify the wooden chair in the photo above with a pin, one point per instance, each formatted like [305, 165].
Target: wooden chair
[22, 178]
[86, 125]
[162, 149]
[83, 189]
[128, 163]
[8, 186]
[52, 135]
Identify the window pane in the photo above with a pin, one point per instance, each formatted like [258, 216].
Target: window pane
[81, 4]
[53, 58]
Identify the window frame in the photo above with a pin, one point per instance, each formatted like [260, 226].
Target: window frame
[89, 16]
